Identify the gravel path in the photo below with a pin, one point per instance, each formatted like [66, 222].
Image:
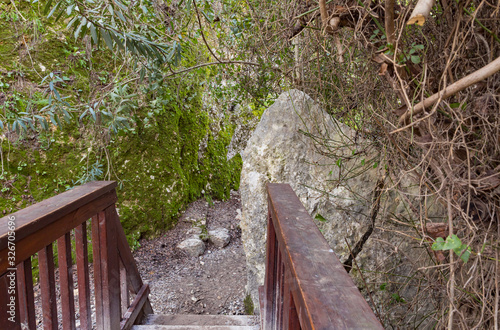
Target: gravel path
[213, 283]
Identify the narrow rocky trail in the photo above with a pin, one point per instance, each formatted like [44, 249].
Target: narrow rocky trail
[213, 283]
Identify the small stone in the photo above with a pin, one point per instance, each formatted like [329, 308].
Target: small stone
[192, 246]
[219, 237]
[195, 232]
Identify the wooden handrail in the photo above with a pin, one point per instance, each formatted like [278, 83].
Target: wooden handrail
[306, 286]
[60, 218]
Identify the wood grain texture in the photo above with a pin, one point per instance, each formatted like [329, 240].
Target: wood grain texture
[82, 273]
[26, 295]
[132, 314]
[270, 278]
[32, 237]
[8, 312]
[124, 293]
[66, 282]
[48, 287]
[39, 215]
[324, 295]
[96, 256]
[133, 276]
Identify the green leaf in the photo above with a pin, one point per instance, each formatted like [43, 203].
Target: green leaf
[71, 22]
[82, 23]
[121, 17]
[15, 127]
[415, 59]
[70, 8]
[120, 5]
[465, 254]
[93, 32]
[142, 73]
[54, 9]
[438, 244]
[452, 242]
[319, 217]
[116, 38]
[47, 7]
[107, 39]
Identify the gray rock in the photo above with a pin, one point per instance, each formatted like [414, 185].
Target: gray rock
[340, 189]
[219, 237]
[194, 232]
[194, 247]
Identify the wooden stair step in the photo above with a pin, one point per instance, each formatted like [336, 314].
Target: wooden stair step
[188, 322]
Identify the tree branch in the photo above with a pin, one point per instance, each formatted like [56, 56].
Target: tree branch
[324, 13]
[208, 64]
[202, 34]
[421, 12]
[477, 76]
[389, 21]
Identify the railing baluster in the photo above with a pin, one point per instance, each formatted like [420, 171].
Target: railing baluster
[26, 296]
[108, 269]
[96, 250]
[6, 309]
[66, 281]
[279, 290]
[290, 316]
[125, 298]
[48, 287]
[115, 271]
[271, 256]
[82, 272]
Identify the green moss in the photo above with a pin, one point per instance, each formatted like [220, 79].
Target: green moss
[159, 164]
[248, 303]
[161, 167]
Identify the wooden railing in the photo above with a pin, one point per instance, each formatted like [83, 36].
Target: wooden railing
[63, 218]
[306, 287]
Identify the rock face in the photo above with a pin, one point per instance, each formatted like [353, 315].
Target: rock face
[219, 237]
[337, 191]
[194, 247]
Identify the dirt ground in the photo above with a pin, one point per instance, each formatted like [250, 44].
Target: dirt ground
[213, 283]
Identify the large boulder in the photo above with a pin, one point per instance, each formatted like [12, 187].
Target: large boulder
[334, 173]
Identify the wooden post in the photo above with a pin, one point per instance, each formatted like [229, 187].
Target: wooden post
[106, 270]
[9, 317]
[96, 254]
[26, 296]
[270, 280]
[48, 287]
[82, 272]
[66, 281]
[110, 269]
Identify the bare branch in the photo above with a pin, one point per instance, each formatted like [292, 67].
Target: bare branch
[208, 64]
[389, 21]
[421, 12]
[454, 88]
